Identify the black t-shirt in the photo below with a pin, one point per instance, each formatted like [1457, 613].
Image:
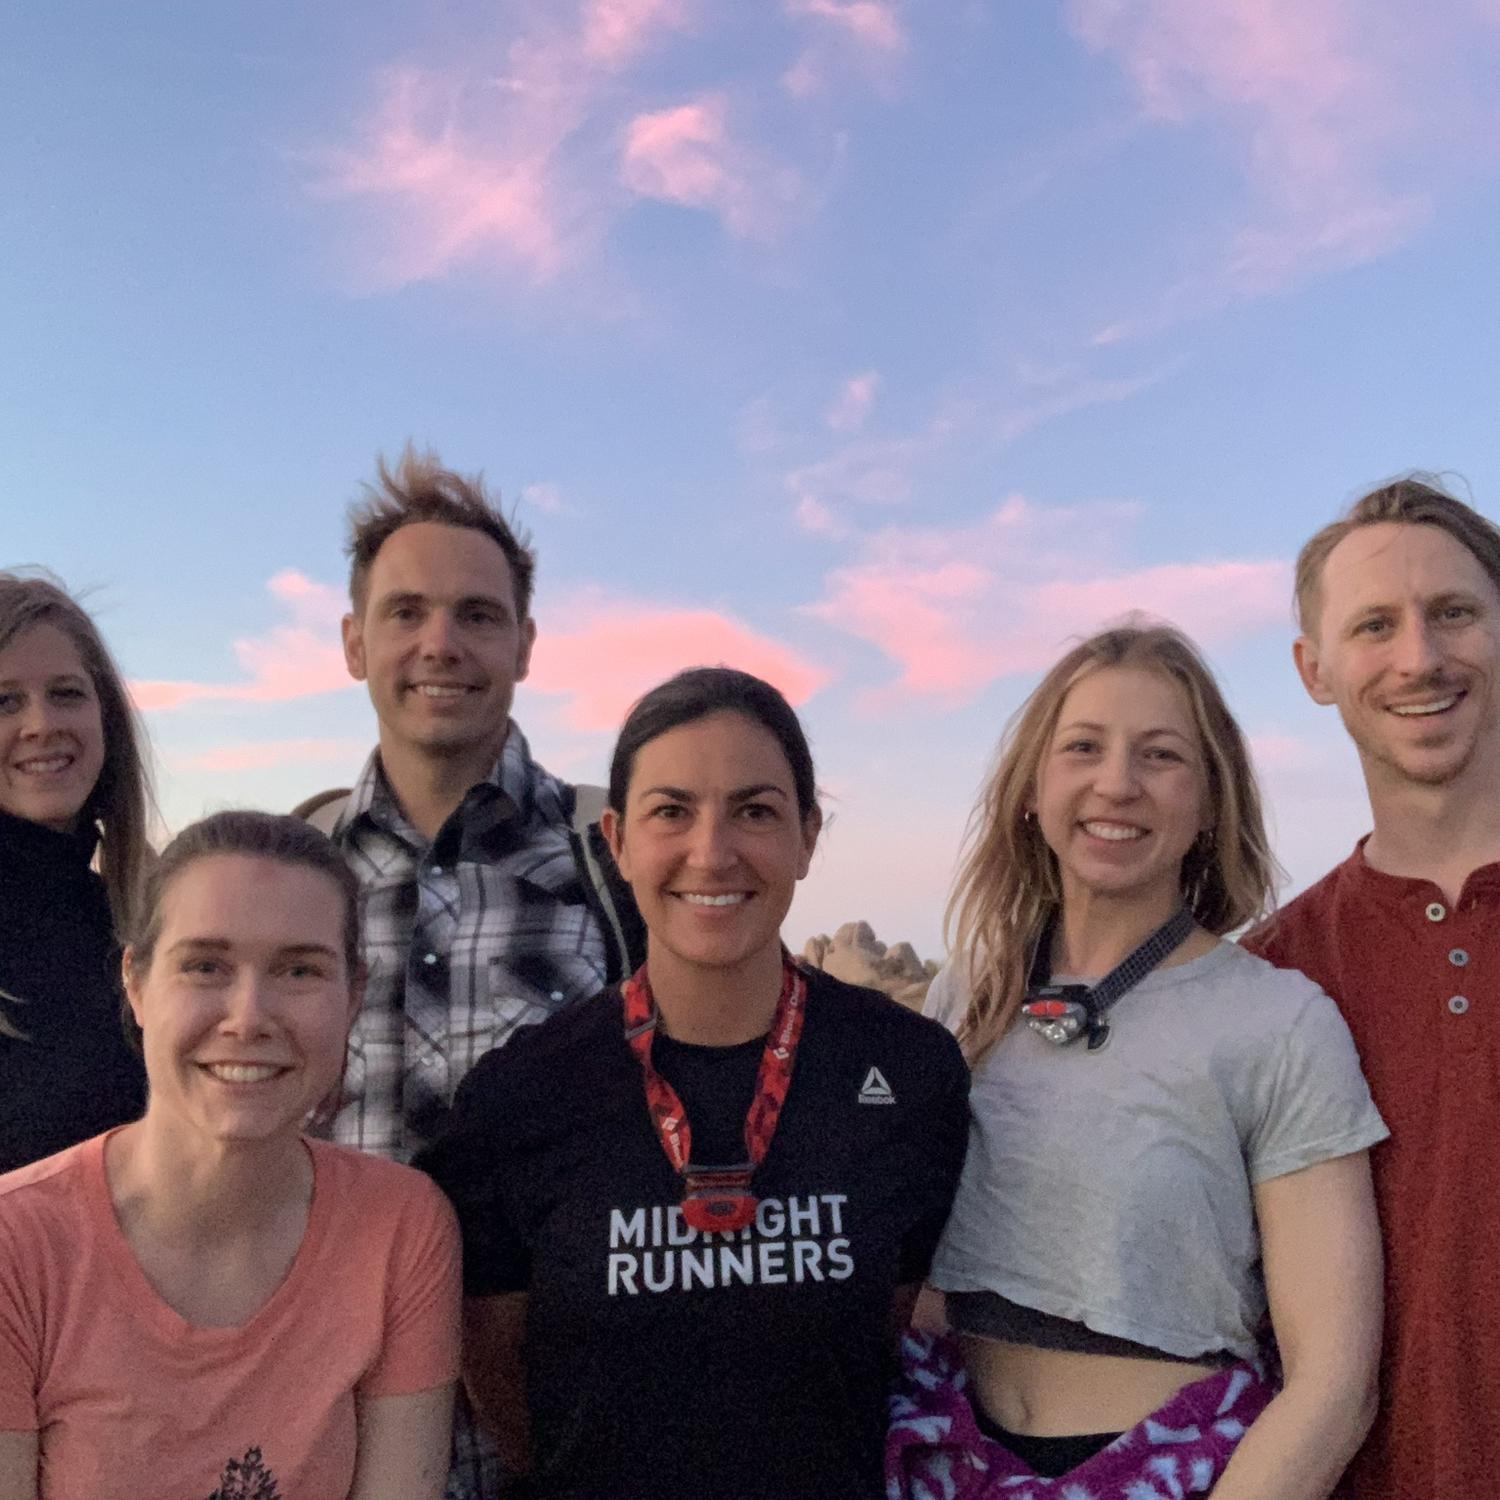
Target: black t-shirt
[674, 1365]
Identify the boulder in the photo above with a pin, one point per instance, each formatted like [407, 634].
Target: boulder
[855, 955]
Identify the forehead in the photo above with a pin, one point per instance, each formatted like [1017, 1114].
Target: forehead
[41, 650]
[1130, 699]
[252, 902]
[1391, 562]
[714, 754]
[442, 562]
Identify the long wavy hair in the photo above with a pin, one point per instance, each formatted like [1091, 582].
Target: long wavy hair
[121, 803]
[1008, 884]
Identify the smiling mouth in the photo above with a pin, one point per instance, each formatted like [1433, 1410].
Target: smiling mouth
[699, 898]
[44, 765]
[1114, 833]
[1425, 710]
[242, 1072]
[442, 691]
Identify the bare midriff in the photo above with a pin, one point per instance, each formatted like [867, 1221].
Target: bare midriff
[1062, 1393]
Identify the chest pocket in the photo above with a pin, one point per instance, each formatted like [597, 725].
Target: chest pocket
[525, 994]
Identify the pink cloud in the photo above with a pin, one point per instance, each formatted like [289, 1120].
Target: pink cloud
[956, 609]
[616, 32]
[867, 33]
[870, 23]
[685, 155]
[506, 166]
[1317, 99]
[263, 755]
[295, 660]
[852, 405]
[614, 650]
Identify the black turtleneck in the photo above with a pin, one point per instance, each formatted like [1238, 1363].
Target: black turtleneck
[75, 1075]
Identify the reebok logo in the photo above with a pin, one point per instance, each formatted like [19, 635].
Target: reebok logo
[875, 1090]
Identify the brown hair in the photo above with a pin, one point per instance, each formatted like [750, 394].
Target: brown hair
[259, 835]
[1416, 499]
[121, 802]
[421, 489]
[1008, 885]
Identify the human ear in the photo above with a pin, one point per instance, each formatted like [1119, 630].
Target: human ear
[523, 653]
[354, 646]
[612, 826]
[1309, 660]
[132, 983]
[812, 826]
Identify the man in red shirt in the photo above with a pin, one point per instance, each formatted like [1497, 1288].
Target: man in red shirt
[1399, 606]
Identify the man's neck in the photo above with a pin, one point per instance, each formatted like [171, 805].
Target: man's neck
[429, 788]
[1437, 833]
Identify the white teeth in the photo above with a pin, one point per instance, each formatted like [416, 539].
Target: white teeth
[694, 899]
[46, 767]
[1116, 832]
[242, 1072]
[1416, 710]
[440, 690]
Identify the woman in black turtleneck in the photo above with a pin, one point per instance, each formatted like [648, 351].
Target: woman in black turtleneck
[72, 785]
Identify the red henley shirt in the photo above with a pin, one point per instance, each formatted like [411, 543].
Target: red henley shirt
[1418, 981]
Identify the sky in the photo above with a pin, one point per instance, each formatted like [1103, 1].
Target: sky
[883, 348]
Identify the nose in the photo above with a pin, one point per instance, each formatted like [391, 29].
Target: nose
[1116, 775]
[1415, 651]
[438, 639]
[247, 1009]
[39, 717]
[711, 846]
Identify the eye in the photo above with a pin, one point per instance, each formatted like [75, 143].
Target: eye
[1376, 625]
[1456, 614]
[1081, 745]
[202, 967]
[759, 812]
[10, 703]
[1163, 752]
[482, 615]
[307, 968]
[68, 694]
[667, 812]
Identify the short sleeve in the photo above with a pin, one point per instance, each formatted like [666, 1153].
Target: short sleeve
[1313, 1103]
[469, 1163]
[947, 998]
[944, 1138]
[19, 1350]
[419, 1346]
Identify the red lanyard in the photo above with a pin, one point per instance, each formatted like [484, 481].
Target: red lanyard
[718, 1198]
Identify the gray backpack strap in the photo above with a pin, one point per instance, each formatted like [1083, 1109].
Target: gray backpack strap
[589, 803]
[323, 809]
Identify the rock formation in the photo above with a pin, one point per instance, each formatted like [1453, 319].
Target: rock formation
[855, 955]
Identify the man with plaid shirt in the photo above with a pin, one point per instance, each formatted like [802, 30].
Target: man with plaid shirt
[488, 898]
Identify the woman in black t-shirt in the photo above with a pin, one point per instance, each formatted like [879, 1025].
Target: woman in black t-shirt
[694, 1207]
[72, 782]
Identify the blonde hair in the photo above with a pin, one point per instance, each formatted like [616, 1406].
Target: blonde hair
[1008, 886]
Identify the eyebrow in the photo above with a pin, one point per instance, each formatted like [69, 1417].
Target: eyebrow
[1430, 601]
[223, 945]
[80, 679]
[740, 794]
[1103, 728]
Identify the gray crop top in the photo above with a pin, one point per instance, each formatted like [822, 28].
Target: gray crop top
[1114, 1188]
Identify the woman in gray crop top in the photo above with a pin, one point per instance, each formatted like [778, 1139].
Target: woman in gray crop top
[1168, 1149]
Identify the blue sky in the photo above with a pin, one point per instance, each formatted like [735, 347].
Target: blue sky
[881, 347]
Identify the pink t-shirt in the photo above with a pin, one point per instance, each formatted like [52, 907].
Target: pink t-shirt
[129, 1398]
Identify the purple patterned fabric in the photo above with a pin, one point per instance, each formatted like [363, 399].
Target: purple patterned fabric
[935, 1450]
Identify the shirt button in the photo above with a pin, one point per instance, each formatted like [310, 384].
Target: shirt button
[1436, 912]
[557, 994]
[436, 870]
[1458, 1004]
[1457, 957]
[429, 958]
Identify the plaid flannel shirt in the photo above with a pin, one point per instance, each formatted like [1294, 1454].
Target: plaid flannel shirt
[467, 939]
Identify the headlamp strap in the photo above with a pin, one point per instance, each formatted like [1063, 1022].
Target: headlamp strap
[718, 1198]
[1064, 1012]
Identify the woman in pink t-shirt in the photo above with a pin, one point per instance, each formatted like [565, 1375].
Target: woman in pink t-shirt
[206, 1304]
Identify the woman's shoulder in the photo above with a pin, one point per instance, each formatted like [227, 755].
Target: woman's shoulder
[869, 1013]
[51, 1198]
[372, 1184]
